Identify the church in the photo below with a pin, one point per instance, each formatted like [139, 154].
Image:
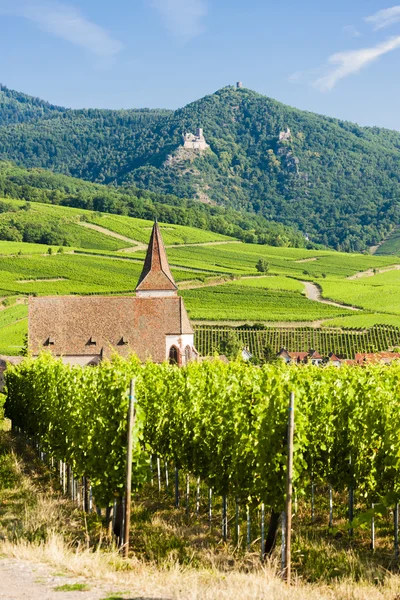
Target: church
[85, 329]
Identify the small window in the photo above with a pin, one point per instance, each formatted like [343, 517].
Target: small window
[173, 355]
[49, 342]
[123, 341]
[91, 342]
[188, 354]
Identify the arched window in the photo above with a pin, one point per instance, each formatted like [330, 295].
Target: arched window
[188, 354]
[173, 355]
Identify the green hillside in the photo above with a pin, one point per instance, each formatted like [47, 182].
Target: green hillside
[39, 185]
[336, 181]
[16, 107]
[64, 250]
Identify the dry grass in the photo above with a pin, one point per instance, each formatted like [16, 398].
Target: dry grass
[177, 583]
[38, 525]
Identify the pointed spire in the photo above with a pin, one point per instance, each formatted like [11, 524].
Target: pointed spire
[156, 275]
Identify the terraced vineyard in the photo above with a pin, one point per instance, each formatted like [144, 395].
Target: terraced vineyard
[71, 274]
[219, 279]
[237, 303]
[344, 343]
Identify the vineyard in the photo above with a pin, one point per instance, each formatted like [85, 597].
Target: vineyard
[342, 342]
[221, 425]
[236, 303]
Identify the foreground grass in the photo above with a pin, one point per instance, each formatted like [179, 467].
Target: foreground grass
[37, 524]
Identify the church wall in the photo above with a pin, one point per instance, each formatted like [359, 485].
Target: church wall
[180, 341]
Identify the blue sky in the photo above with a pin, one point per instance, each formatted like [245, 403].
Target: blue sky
[338, 58]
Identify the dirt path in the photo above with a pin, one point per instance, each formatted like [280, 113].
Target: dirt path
[372, 272]
[22, 580]
[313, 293]
[205, 244]
[118, 236]
[305, 260]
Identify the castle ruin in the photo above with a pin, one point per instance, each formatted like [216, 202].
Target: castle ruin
[195, 141]
[285, 136]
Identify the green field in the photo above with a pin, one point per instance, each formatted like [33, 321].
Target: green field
[13, 328]
[241, 259]
[344, 343]
[68, 224]
[226, 285]
[238, 303]
[391, 245]
[380, 293]
[140, 229]
[71, 274]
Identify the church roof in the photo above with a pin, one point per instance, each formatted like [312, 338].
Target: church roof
[156, 274]
[92, 325]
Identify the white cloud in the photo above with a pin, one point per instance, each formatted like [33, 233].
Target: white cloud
[183, 17]
[348, 63]
[384, 18]
[351, 31]
[66, 22]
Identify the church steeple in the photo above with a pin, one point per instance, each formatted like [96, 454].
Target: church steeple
[156, 278]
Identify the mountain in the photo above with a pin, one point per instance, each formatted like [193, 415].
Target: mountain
[337, 182]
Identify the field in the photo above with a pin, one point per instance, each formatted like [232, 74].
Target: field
[221, 438]
[13, 329]
[217, 275]
[380, 292]
[324, 340]
[236, 302]
[239, 258]
[70, 219]
[391, 245]
[140, 229]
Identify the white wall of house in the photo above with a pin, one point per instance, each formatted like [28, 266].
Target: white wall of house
[180, 341]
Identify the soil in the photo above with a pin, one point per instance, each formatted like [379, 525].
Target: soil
[22, 580]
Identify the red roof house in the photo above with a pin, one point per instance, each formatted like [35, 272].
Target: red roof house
[84, 329]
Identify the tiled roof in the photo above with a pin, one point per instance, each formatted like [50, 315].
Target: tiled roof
[86, 325]
[376, 357]
[156, 274]
[298, 356]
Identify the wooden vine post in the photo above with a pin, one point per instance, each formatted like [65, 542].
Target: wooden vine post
[128, 488]
[289, 490]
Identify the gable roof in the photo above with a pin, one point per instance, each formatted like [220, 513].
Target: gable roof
[90, 325]
[376, 357]
[298, 356]
[156, 274]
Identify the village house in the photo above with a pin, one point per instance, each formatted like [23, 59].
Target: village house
[312, 357]
[85, 329]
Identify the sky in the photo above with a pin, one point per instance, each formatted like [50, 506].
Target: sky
[339, 58]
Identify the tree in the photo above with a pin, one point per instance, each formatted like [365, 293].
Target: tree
[268, 354]
[50, 251]
[230, 345]
[262, 265]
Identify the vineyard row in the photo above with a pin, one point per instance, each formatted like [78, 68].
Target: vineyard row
[342, 342]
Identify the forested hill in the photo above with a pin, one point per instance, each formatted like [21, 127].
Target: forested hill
[335, 180]
[20, 108]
